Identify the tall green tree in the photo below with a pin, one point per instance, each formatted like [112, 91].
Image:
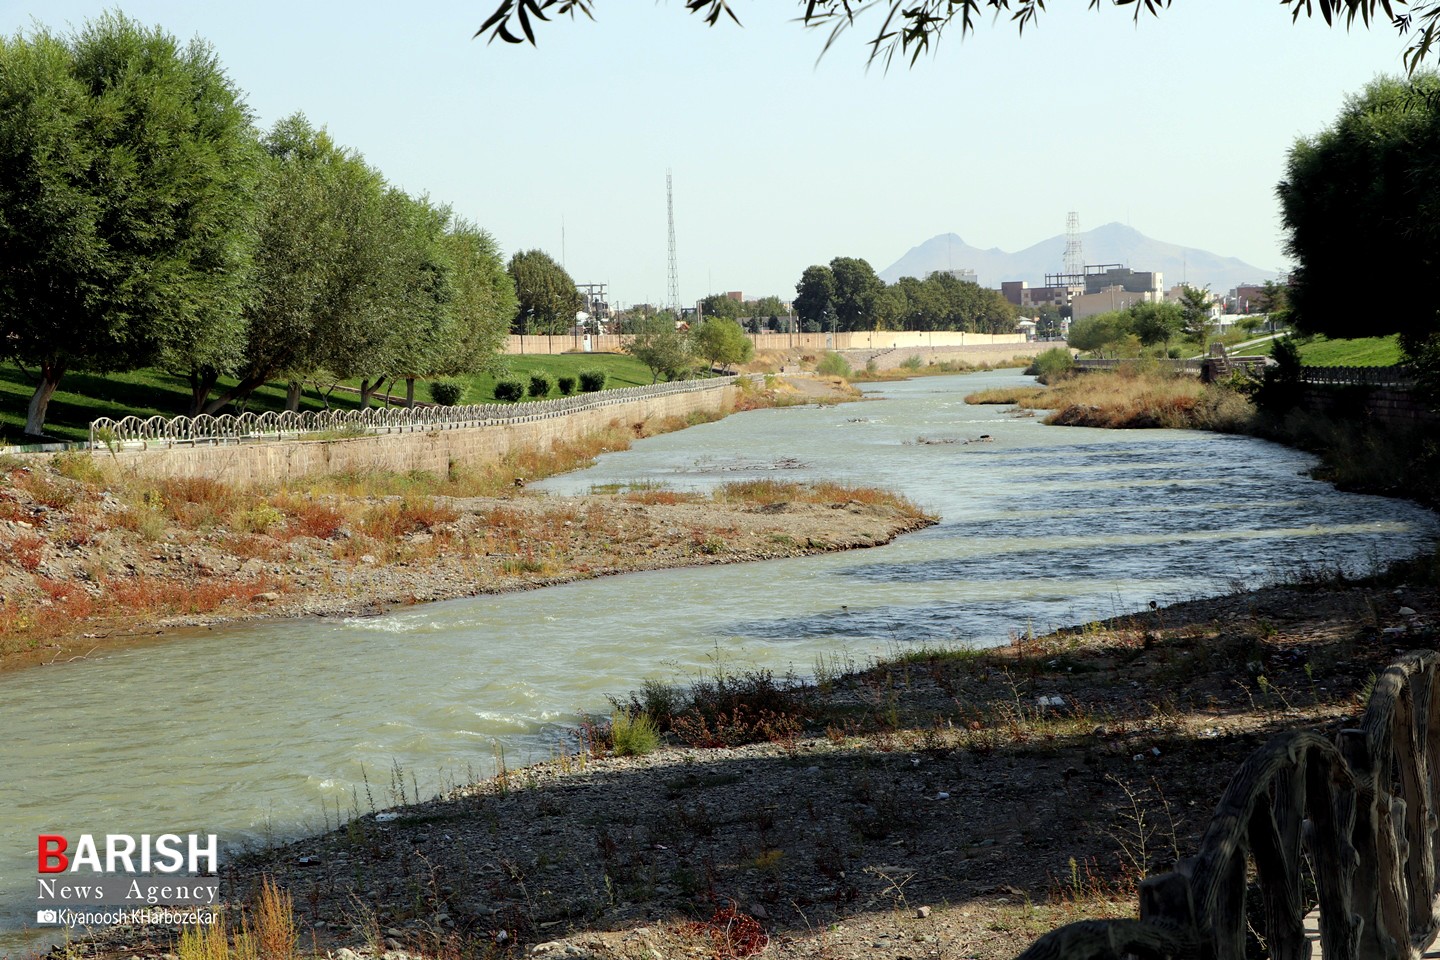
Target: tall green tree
[1099, 332]
[321, 263]
[403, 327]
[1195, 307]
[768, 308]
[125, 203]
[1157, 323]
[856, 287]
[1362, 199]
[723, 342]
[547, 296]
[815, 297]
[722, 307]
[482, 305]
[658, 343]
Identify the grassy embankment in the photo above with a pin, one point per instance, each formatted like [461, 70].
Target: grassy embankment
[1136, 396]
[84, 397]
[1361, 352]
[1356, 453]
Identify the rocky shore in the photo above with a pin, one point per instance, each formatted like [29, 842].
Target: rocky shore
[950, 804]
[454, 547]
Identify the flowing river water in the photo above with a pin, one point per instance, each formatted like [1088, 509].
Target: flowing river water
[263, 731]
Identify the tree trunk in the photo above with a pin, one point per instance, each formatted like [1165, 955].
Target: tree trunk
[242, 389]
[50, 374]
[202, 381]
[367, 390]
[410, 392]
[292, 395]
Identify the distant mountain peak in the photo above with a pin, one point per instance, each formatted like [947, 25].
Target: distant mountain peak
[1113, 242]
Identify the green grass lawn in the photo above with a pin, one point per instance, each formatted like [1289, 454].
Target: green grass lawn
[1361, 352]
[84, 397]
[621, 370]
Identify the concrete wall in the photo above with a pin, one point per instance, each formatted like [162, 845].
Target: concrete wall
[432, 450]
[983, 353]
[812, 342]
[1393, 405]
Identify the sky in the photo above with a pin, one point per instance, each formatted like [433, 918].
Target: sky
[1177, 126]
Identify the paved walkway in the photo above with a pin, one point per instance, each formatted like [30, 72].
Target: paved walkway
[1312, 930]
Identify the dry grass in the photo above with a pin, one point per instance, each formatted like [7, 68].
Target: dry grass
[151, 548]
[771, 492]
[1129, 398]
[1021, 396]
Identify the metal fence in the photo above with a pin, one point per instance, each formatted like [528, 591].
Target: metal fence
[141, 433]
[1396, 376]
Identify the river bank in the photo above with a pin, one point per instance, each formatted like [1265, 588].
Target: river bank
[90, 556]
[832, 834]
[946, 803]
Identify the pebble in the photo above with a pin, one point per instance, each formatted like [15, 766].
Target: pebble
[922, 912]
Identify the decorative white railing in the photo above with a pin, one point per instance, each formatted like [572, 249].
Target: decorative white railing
[138, 432]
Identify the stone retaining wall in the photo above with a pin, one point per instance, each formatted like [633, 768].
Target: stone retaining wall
[809, 342]
[431, 450]
[1392, 405]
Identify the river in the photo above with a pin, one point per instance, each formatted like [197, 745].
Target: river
[262, 731]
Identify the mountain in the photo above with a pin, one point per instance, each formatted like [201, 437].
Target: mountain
[1112, 243]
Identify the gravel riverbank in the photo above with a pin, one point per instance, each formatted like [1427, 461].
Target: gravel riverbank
[951, 804]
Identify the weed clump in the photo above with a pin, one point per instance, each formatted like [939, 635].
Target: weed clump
[633, 734]
[833, 365]
[1051, 366]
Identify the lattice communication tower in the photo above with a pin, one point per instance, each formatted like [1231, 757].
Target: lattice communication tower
[673, 291]
[1074, 250]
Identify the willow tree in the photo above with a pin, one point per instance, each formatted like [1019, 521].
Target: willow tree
[321, 251]
[908, 29]
[482, 304]
[128, 168]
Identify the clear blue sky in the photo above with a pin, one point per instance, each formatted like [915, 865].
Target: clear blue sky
[1178, 126]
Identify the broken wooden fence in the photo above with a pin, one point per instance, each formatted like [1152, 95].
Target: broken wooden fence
[1348, 825]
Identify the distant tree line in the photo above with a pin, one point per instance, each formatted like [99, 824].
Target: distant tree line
[144, 220]
[846, 294]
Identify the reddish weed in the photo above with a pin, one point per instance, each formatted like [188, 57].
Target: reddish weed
[25, 551]
[311, 519]
[733, 933]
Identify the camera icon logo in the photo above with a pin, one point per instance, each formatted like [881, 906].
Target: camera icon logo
[47, 916]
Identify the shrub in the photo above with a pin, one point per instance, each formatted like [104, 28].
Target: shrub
[633, 734]
[75, 465]
[509, 390]
[833, 365]
[447, 393]
[592, 380]
[1053, 364]
[566, 384]
[911, 363]
[541, 384]
[260, 518]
